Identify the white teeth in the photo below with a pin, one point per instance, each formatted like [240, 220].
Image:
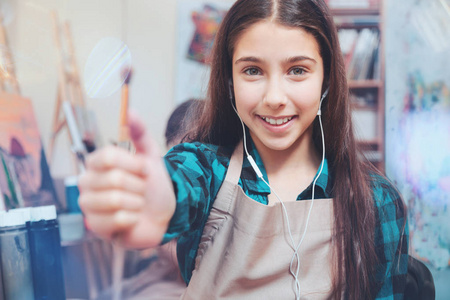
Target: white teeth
[276, 121]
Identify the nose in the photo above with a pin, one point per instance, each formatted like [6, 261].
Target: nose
[275, 96]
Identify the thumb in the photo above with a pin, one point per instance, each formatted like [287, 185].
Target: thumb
[140, 137]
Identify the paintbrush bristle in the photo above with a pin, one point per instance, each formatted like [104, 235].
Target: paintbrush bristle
[126, 74]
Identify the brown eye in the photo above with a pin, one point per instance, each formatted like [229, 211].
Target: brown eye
[252, 71]
[297, 71]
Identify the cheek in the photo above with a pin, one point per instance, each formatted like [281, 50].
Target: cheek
[306, 98]
[247, 96]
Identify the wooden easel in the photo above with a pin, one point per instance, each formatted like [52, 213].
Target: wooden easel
[69, 88]
[7, 71]
[9, 86]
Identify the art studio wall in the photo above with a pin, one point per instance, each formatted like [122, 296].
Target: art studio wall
[147, 28]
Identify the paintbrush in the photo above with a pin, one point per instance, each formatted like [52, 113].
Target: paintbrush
[123, 142]
[13, 201]
[124, 132]
[77, 143]
[15, 181]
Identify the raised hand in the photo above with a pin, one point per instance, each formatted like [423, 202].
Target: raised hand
[128, 194]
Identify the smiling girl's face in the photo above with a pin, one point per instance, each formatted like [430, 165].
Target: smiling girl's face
[277, 78]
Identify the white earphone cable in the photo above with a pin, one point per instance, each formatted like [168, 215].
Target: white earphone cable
[309, 214]
[260, 175]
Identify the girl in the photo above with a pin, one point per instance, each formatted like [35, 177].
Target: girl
[280, 208]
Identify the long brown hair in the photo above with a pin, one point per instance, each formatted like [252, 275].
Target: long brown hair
[354, 210]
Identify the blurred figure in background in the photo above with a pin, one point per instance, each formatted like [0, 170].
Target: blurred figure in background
[181, 120]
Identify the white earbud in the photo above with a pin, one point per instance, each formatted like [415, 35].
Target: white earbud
[249, 157]
[319, 112]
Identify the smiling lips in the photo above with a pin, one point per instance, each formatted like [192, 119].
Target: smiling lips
[276, 121]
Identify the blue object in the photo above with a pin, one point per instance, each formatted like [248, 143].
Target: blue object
[72, 194]
[45, 246]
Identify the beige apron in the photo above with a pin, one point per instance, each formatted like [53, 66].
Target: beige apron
[245, 250]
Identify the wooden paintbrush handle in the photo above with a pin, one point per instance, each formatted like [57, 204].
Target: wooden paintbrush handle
[124, 134]
[123, 128]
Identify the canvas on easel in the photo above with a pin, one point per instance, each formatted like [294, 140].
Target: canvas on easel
[24, 174]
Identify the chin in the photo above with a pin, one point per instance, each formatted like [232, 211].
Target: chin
[277, 144]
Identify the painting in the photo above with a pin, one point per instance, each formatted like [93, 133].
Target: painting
[24, 174]
[197, 25]
[418, 121]
[206, 22]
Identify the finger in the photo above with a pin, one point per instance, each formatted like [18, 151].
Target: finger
[111, 157]
[106, 225]
[110, 201]
[140, 137]
[115, 179]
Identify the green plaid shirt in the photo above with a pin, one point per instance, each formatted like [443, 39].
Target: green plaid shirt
[198, 170]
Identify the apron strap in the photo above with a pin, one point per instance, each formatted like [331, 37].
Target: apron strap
[235, 166]
[225, 196]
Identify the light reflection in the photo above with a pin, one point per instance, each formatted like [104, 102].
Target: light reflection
[104, 67]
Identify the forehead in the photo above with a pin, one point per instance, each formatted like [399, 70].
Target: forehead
[271, 39]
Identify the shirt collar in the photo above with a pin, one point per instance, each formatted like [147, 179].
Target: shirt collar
[254, 185]
[248, 176]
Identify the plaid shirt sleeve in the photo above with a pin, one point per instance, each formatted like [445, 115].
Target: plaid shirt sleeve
[391, 241]
[197, 171]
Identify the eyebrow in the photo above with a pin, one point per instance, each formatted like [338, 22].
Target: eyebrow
[247, 59]
[289, 60]
[300, 58]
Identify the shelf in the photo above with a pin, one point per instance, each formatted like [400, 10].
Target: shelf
[374, 156]
[363, 84]
[350, 25]
[357, 106]
[355, 11]
[368, 144]
[361, 38]
[357, 18]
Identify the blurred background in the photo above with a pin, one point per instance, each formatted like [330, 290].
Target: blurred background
[95, 54]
